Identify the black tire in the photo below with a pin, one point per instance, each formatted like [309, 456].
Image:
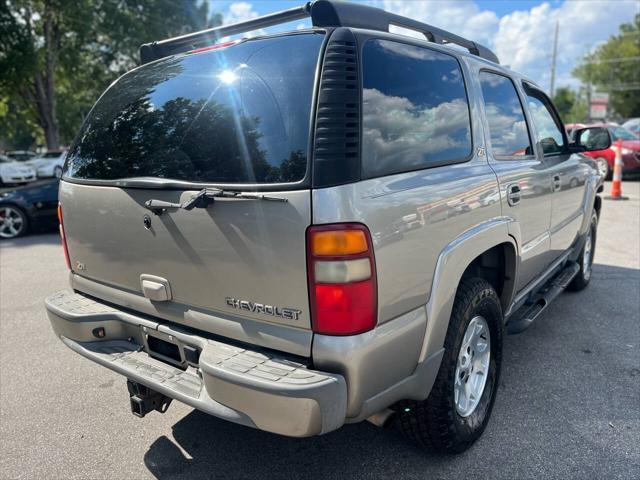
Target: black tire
[583, 277]
[435, 423]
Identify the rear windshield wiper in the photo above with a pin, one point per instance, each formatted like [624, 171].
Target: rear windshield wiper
[206, 197]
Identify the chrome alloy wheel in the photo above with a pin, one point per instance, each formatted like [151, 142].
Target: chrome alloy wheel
[11, 222]
[472, 368]
[586, 256]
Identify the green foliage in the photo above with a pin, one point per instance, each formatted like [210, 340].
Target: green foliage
[571, 105]
[615, 68]
[79, 46]
[564, 100]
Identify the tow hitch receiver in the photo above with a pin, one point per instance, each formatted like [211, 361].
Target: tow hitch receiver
[144, 400]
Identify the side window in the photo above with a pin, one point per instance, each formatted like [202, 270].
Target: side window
[415, 112]
[505, 117]
[549, 132]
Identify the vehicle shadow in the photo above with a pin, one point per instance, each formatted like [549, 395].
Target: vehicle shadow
[551, 354]
[207, 447]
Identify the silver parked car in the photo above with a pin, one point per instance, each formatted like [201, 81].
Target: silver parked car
[49, 164]
[302, 230]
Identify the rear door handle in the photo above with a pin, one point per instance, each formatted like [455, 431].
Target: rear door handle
[556, 183]
[513, 194]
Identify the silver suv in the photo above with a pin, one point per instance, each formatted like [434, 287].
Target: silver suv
[302, 230]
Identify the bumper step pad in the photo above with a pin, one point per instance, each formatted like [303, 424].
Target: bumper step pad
[131, 357]
[257, 388]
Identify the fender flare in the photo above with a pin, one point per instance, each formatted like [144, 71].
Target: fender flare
[451, 265]
[591, 187]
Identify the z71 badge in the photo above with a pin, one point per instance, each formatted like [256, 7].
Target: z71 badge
[254, 307]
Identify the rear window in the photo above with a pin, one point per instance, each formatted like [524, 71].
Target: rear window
[415, 112]
[234, 115]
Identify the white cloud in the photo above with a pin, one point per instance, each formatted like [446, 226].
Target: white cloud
[240, 12]
[463, 17]
[398, 132]
[524, 39]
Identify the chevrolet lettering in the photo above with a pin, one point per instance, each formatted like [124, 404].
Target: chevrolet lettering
[289, 313]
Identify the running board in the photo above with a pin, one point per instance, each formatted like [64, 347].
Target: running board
[525, 315]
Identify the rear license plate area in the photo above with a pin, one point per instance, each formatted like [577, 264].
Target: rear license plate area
[165, 348]
[169, 349]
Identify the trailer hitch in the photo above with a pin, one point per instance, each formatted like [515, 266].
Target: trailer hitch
[144, 400]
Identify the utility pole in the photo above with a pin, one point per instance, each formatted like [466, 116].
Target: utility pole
[553, 60]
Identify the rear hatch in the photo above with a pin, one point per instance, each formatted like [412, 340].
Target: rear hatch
[236, 118]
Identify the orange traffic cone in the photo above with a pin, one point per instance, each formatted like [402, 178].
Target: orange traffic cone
[616, 184]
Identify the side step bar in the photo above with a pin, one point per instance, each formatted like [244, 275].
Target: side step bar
[525, 315]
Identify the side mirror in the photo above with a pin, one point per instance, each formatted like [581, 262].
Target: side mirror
[591, 138]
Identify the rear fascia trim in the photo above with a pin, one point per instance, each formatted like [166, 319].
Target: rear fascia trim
[281, 338]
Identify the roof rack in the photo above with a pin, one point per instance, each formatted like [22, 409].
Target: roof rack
[323, 13]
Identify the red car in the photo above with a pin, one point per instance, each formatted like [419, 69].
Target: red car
[605, 158]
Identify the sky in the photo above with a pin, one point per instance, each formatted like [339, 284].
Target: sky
[520, 32]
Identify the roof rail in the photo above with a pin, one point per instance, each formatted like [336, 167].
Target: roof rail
[323, 13]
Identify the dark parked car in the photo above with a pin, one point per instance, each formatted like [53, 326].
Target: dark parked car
[33, 207]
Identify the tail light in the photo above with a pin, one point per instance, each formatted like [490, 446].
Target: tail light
[63, 238]
[342, 279]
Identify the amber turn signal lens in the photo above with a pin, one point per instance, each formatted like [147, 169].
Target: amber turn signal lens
[338, 242]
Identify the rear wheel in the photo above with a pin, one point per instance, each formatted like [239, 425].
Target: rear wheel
[13, 222]
[585, 260]
[457, 410]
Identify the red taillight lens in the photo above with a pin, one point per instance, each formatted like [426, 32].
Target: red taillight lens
[342, 279]
[63, 238]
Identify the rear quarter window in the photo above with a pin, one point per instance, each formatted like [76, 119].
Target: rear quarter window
[508, 131]
[231, 116]
[415, 112]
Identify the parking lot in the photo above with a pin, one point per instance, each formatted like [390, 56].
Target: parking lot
[568, 404]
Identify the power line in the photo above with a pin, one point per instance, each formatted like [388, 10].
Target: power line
[613, 60]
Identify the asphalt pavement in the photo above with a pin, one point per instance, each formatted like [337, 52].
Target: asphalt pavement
[568, 404]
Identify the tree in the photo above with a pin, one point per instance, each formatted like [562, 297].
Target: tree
[571, 105]
[564, 100]
[64, 53]
[615, 68]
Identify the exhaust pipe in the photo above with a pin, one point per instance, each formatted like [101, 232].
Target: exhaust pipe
[144, 400]
[382, 418]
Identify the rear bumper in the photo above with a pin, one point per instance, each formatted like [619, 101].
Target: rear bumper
[19, 178]
[45, 172]
[256, 388]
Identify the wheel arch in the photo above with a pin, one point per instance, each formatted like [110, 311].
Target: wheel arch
[498, 267]
[482, 251]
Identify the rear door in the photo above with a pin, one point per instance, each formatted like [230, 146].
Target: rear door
[235, 118]
[525, 182]
[568, 173]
